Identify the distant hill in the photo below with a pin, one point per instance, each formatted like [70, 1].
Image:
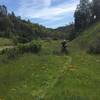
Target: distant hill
[68, 30]
[20, 30]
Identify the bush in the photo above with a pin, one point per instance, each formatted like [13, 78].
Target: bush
[21, 49]
[94, 47]
[10, 52]
[30, 47]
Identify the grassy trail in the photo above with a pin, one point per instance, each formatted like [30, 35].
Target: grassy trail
[49, 76]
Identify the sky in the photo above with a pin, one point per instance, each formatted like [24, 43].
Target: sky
[50, 13]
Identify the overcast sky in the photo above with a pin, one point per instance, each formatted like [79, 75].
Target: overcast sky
[50, 13]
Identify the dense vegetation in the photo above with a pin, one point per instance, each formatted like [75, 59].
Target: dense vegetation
[14, 52]
[86, 14]
[68, 30]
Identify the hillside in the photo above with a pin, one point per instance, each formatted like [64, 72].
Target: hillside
[87, 37]
[22, 31]
[68, 30]
[51, 75]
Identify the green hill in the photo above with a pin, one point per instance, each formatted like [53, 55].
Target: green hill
[23, 31]
[51, 75]
[88, 36]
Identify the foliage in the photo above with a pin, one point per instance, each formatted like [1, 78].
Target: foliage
[82, 15]
[96, 7]
[86, 14]
[6, 42]
[67, 31]
[94, 47]
[21, 49]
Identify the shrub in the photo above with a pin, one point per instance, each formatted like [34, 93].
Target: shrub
[30, 47]
[21, 49]
[10, 52]
[94, 47]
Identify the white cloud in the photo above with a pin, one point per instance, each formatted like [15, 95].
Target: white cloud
[43, 9]
[49, 13]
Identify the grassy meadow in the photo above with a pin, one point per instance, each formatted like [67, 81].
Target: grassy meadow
[51, 75]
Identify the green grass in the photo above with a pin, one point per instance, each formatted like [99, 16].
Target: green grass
[5, 42]
[29, 76]
[51, 75]
[88, 36]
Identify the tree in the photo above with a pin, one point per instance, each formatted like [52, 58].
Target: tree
[82, 15]
[5, 26]
[96, 9]
[3, 10]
